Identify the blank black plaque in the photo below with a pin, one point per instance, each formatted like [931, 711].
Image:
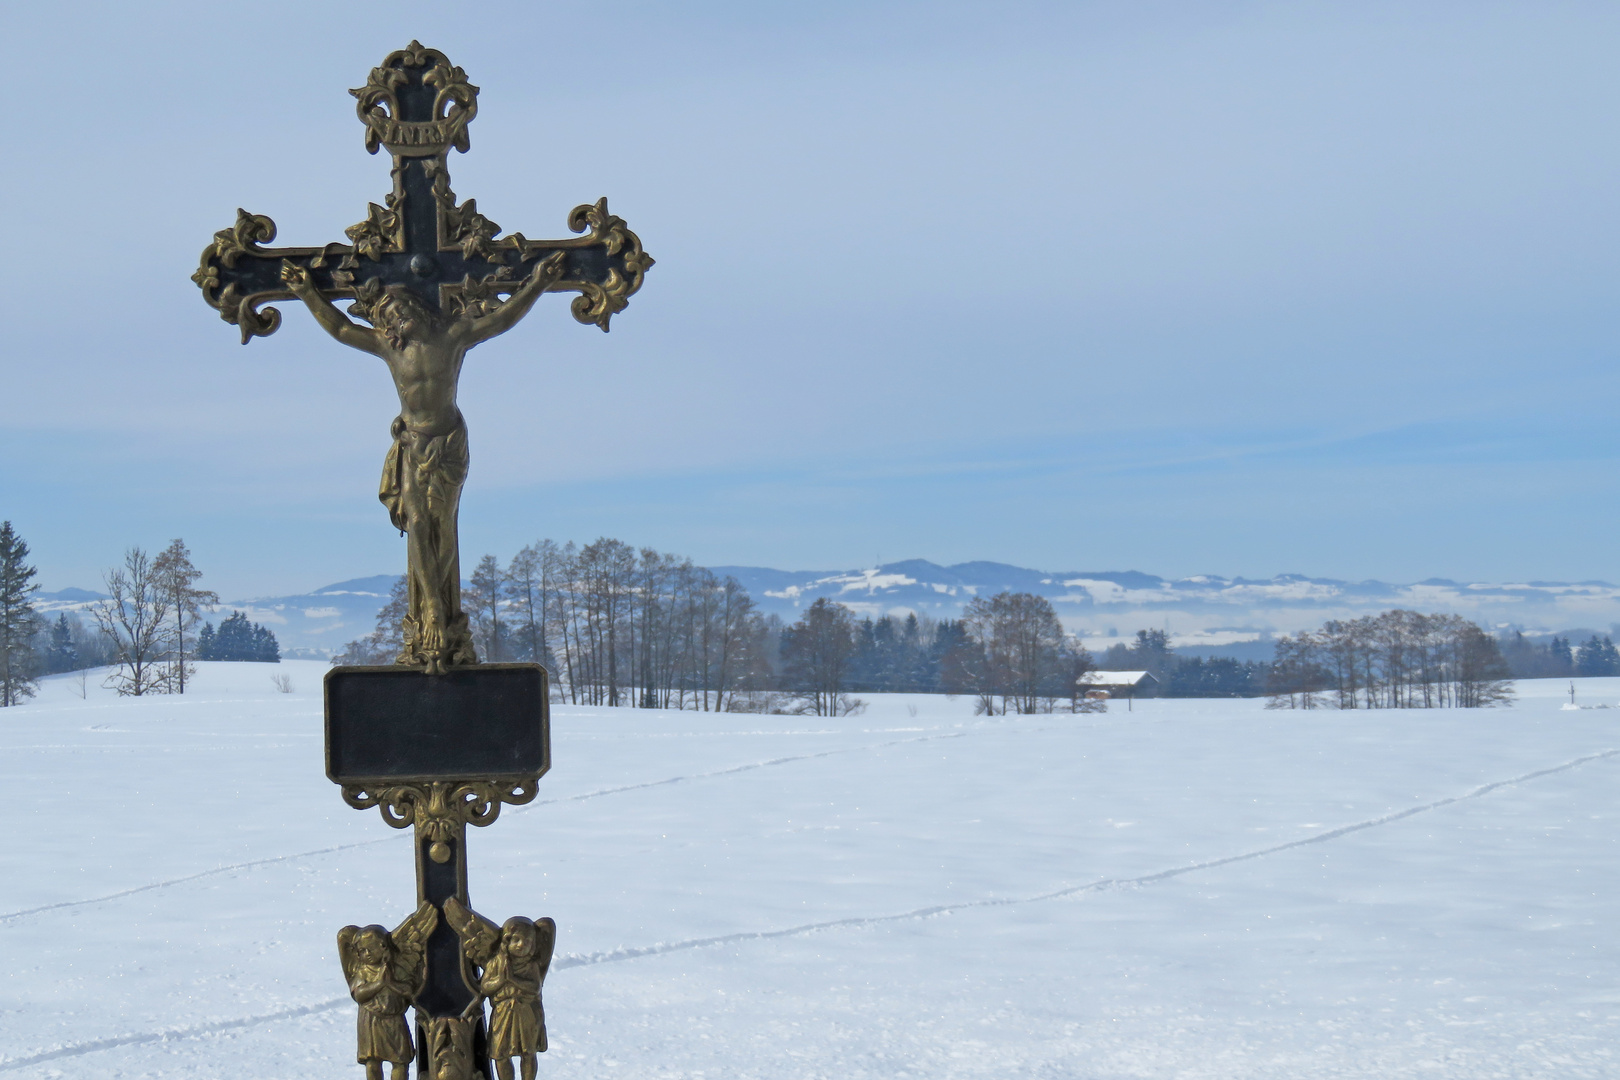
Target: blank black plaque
[396, 723]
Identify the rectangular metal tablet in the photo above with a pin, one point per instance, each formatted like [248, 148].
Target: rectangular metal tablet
[396, 723]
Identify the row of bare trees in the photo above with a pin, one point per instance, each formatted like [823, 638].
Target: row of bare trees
[613, 624]
[1395, 660]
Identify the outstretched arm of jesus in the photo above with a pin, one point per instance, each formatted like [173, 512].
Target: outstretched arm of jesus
[503, 318]
[333, 321]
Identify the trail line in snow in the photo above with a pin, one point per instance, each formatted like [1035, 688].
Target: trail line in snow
[573, 960]
[392, 835]
[136, 1039]
[568, 960]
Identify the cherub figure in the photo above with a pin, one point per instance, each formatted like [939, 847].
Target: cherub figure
[426, 466]
[513, 958]
[385, 972]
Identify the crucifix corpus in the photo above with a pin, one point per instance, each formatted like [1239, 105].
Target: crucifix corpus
[436, 741]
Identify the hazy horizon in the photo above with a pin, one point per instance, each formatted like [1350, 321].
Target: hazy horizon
[292, 585]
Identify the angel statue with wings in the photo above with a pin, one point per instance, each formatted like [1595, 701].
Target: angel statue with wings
[385, 972]
[513, 958]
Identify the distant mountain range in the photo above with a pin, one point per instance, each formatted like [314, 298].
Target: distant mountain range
[1204, 614]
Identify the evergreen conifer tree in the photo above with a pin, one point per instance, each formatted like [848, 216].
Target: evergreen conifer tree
[63, 653]
[1563, 658]
[240, 640]
[266, 650]
[18, 622]
[1597, 657]
[234, 638]
[205, 642]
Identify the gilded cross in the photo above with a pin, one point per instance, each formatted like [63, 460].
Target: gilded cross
[436, 741]
[433, 278]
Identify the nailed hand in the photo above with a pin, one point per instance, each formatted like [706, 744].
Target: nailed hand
[295, 277]
[550, 268]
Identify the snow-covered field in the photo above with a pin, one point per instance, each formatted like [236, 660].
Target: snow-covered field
[1193, 889]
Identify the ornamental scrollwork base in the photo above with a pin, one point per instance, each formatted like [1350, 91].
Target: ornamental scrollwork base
[438, 808]
[451, 1047]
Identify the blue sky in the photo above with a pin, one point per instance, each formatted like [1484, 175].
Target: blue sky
[1185, 288]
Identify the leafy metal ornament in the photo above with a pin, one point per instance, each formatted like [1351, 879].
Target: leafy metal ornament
[417, 105]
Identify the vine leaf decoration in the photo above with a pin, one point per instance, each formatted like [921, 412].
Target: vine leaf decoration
[462, 226]
[365, 300]
[377, 234]
[477, 297]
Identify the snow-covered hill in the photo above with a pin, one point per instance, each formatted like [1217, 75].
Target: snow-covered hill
[1204, 613]
[1196, 889]
[1200, 612]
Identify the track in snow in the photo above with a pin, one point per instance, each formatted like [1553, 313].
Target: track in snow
[573, 960]
[11, 916]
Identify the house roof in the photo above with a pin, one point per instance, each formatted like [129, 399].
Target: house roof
[1116, 678]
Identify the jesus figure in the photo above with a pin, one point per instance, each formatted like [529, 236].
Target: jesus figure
[426, 466]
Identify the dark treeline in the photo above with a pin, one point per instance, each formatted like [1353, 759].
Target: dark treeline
[1186, 676]
[238, 640]
[1008, 651]
[1396, 660]
[1556, 659]
[145, 631]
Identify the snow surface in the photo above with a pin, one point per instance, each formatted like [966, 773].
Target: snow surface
[1194, 889]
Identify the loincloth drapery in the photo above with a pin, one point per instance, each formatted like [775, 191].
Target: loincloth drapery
[421, 475]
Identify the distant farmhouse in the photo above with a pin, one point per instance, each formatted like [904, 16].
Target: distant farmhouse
[1120, 684]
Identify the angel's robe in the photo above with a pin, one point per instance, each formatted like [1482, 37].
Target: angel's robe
[382, 1034]
[517, 1020]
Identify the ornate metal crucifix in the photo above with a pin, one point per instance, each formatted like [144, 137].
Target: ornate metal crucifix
[436, 741]
[429, 276]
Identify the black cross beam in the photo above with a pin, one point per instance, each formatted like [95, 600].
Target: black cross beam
[418, 106]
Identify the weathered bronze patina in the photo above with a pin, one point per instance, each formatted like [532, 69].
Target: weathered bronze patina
[429, 275]
[385, 971]
[436, 741]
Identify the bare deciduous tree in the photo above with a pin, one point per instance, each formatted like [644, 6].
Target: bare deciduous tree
[482, 603]
[816, 652]
[177, 578]
[135, 617]
[1023, 658]
[529, 594]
